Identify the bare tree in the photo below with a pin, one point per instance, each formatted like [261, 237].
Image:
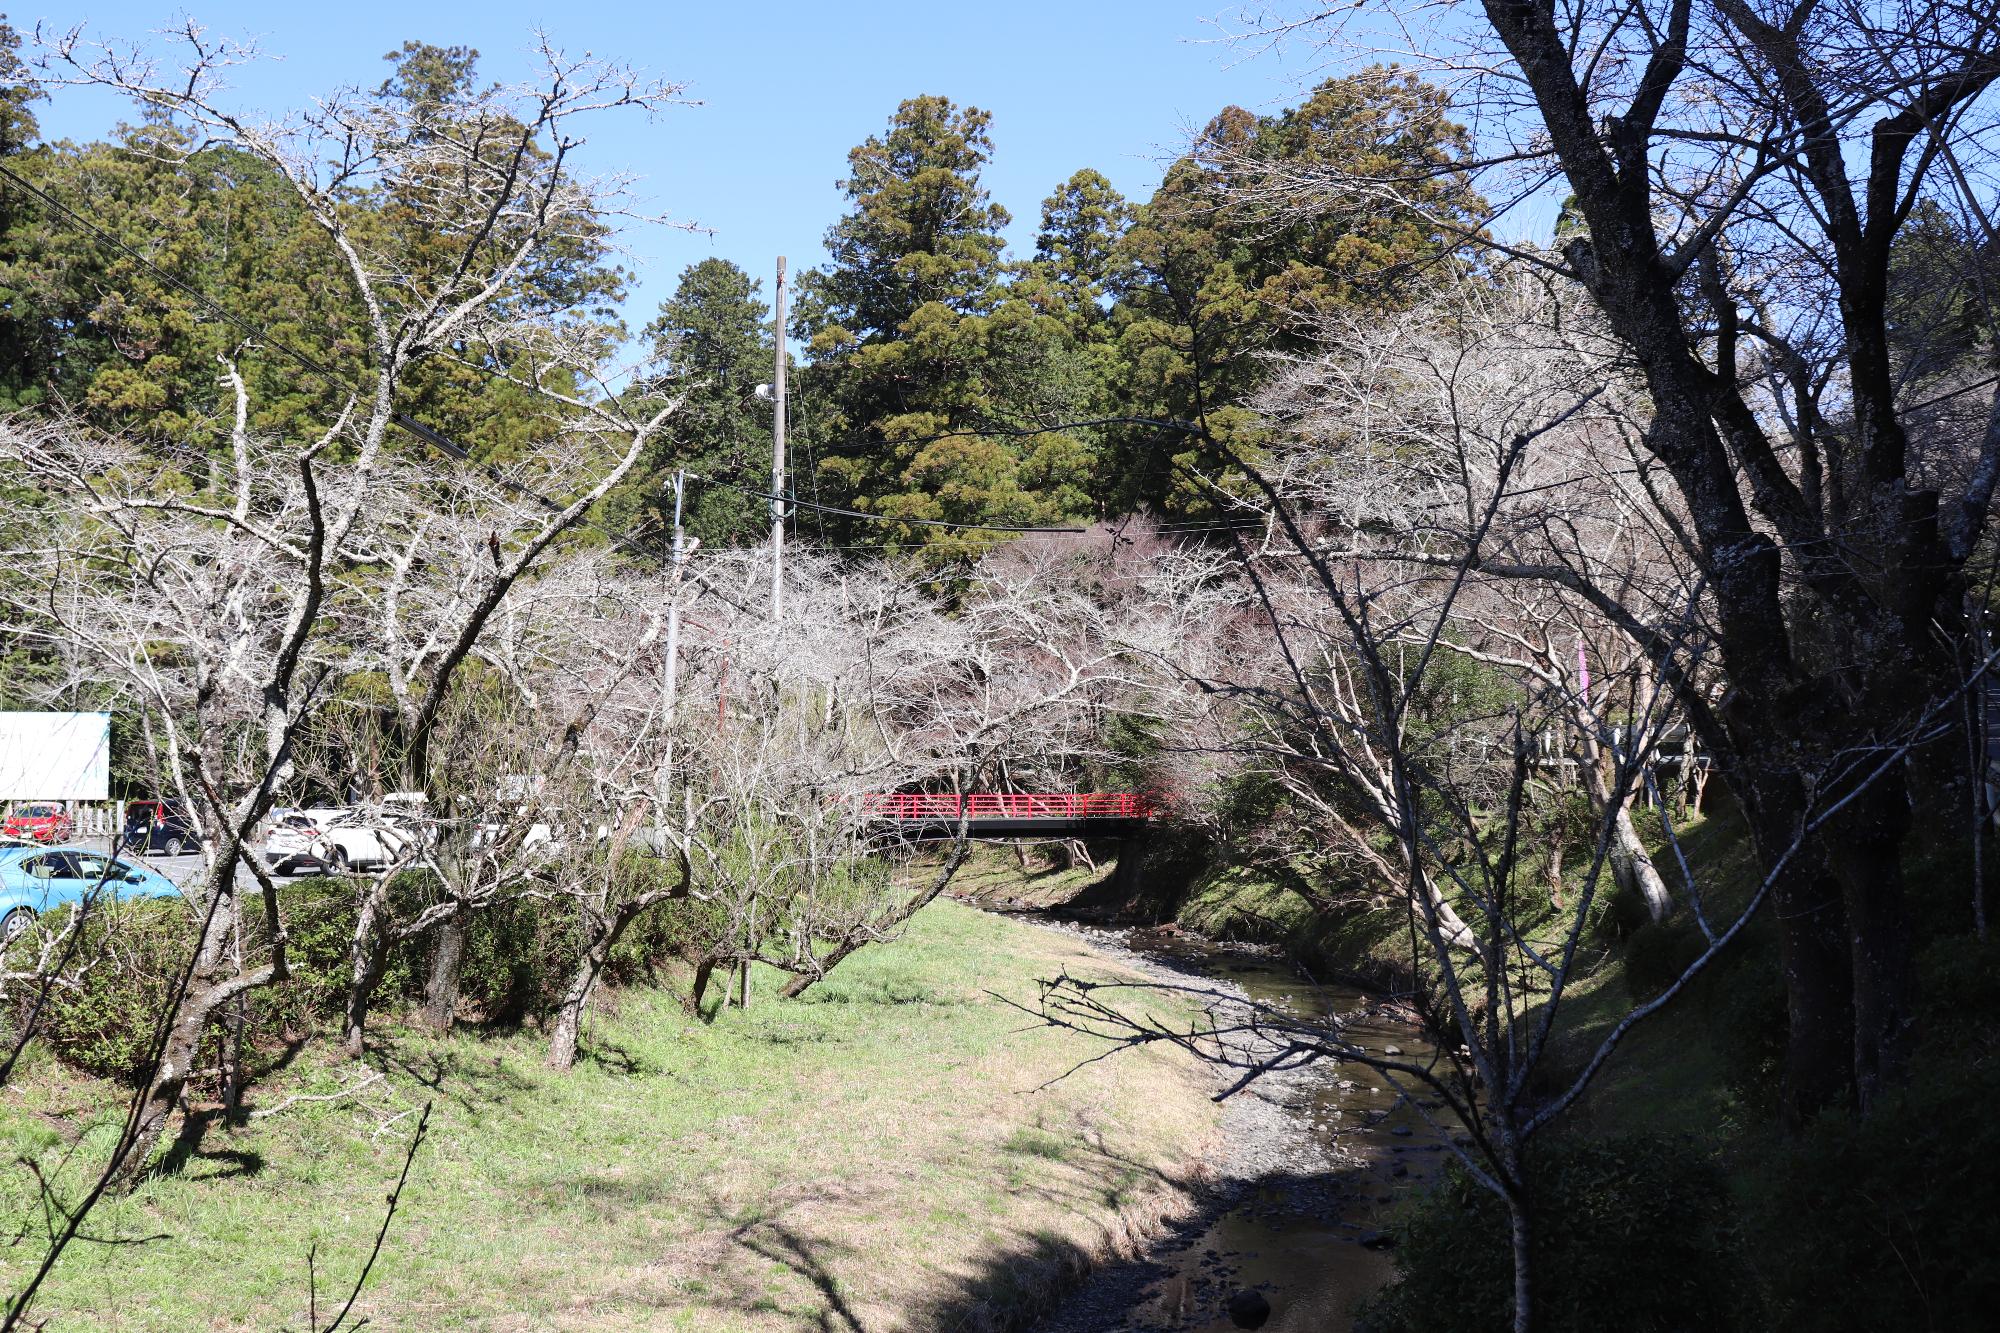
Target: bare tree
[1739, 177]
[240, 584]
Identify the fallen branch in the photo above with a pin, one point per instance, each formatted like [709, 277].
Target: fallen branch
[299, 1097]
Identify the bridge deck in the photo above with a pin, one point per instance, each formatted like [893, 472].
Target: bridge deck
[1010, 814]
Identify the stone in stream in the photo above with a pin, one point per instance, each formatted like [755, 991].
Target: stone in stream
[1392, 1050]
[1378, 1240]
[1249, 1309]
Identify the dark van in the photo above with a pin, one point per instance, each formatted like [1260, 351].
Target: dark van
[159, 827]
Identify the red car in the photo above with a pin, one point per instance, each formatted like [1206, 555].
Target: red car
[40, 822]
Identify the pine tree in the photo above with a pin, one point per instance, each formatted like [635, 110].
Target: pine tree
[1208, 284]
[25, 351]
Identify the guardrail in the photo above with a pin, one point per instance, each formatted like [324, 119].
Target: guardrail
[929, 807]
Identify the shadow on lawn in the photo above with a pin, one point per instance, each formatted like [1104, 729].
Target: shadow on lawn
[795, 1233]
[475, 1082]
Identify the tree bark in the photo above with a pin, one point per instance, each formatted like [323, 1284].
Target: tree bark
[703, 970]
[1870, 870]
[441, 983]
[568, 1028]
[1814, 956]
[1633, 869]
[1517, 1216]
[367, 955]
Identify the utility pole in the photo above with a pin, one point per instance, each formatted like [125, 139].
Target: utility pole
[778, 456]
[671, 690]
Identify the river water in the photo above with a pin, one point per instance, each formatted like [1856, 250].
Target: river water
[1300, 1222]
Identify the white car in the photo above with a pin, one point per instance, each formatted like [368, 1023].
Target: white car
[357, 841]
[288, 846]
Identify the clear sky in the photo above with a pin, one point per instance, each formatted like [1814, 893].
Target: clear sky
[786, 88]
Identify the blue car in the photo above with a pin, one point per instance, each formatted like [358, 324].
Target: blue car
[37, 879]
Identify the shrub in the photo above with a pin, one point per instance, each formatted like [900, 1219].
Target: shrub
[320, 912]
[104, 1023]
[1884, 1222]
[1632, 1233]
[1658, 952]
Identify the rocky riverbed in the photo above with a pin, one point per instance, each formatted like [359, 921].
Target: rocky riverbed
[1287, 1237]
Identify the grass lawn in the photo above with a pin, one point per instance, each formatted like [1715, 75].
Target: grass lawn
[877, 1155]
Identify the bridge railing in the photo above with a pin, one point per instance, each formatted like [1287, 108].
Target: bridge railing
[929, 807]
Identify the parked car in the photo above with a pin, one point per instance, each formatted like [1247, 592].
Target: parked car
[159, 826]
[367, 842]
[288, 847]
[42, 821]
[36, 879]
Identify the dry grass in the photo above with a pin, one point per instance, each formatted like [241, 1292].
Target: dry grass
[878, 1156]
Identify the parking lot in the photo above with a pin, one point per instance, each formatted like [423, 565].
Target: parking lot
[179, 869]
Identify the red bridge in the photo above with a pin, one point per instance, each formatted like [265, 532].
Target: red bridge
[1012, 814]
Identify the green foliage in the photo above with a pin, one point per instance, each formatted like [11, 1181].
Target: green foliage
[1207, 286]
[1883, 1222]
[320, 913]
[104, 1023]
[712, 344]
[1658, 952]
[1634, 1233]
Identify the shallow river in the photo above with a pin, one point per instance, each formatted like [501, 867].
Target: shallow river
[1304, 1232]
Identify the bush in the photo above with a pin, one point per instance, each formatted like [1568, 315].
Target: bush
[1887, 1222]
[1658, 952]
[1632, 1233]
[104, 1024]
[320, 912]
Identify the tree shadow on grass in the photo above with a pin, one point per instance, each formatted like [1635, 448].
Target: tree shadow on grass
[188, 1149]
[1007, 1288]
[773, 1240]
[475, 1082]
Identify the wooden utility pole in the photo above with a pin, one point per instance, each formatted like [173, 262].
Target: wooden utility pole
[778, 455]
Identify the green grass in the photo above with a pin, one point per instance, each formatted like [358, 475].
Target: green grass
[883, 1146]
[991, 873]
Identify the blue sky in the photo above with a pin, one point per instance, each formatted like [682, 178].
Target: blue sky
[786, 89]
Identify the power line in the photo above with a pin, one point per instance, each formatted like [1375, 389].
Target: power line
[883, 518]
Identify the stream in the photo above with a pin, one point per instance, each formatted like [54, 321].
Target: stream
[1311, 1163]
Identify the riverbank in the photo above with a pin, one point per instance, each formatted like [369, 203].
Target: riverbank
[887, 1153]
[1310, 1163]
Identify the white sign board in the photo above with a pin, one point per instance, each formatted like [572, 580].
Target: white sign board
[55, 756]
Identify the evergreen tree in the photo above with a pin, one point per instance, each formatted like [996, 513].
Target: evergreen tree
[712, 345]
[1078, 254]
[1208, 284]
[919, 351]
[25, 353]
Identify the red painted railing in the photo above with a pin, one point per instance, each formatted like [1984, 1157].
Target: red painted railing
[1007, 805]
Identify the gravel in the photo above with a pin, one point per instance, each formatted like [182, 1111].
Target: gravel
[1261, 1137]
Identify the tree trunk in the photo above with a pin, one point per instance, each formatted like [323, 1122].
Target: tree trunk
[703, 970]
[441, 984]
[368, 953]
[1517, 1215]
[1632, 867]
[568, 1027]
[1814, 957]
[1450, 925]
[1870, 870]
[1555, 871]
